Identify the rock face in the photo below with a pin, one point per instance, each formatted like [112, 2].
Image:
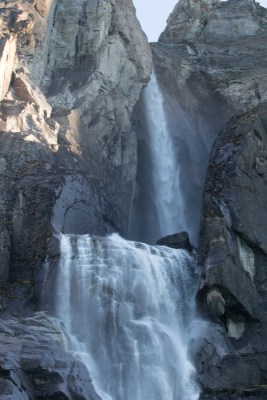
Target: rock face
[36, 365]
[71, 72]
[67, 97]
[225, 42]
[233, 252]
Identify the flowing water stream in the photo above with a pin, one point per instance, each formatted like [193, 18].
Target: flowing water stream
[165, 169]
[159, 208]
[127, 307]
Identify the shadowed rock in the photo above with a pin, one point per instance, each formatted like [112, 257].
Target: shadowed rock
[176, 241]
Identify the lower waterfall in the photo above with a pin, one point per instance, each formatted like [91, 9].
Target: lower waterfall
[127, 308]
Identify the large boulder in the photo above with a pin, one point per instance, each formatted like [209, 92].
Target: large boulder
[233, 253]
[35, 365]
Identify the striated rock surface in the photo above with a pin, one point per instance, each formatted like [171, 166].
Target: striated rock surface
[67, 97]
[226, 46]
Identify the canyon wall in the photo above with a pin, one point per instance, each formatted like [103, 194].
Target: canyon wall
[71, 75]
[211, 63]
[212, 58]
[71, 72]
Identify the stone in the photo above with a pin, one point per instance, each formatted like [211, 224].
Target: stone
[216, 304]
[37, 365]
[176, 241]
[25, 92]
[68, 161]
[7, 59]
[43, 6]
[232, 250]
[67, 164]
[72, 117]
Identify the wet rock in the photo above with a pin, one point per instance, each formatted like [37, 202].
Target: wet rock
[35, 365]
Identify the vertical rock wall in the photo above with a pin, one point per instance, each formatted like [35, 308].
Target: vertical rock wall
[96, 71]
[72, 72]
[233, 254]
[70, 75]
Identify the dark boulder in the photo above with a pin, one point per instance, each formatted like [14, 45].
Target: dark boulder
[35, 365]
[233, 251]
[178, 240]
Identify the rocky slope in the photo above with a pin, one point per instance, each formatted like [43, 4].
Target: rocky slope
[70, 75]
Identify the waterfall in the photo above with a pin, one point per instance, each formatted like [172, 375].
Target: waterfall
[165, 168]
[127, 307]
[164, 214]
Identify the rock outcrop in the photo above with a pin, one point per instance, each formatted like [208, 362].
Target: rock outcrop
[233, 253]
[36, 365]
[225, 44]
[178, 240]
[68, 153]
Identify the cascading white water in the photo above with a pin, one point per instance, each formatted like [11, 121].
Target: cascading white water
[128, 307]
[165, 167]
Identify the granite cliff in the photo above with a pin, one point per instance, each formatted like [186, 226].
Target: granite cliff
[71, 74]
[67, 96]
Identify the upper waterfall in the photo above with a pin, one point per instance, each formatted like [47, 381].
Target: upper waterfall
[128, 307]
[165, 212]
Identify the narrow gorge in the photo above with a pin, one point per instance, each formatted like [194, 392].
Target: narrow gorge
[109, 145]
